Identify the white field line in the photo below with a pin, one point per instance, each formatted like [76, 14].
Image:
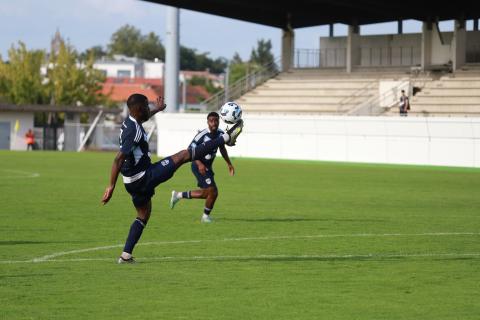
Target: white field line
[262, 257]
[435, 234]
[18, 174]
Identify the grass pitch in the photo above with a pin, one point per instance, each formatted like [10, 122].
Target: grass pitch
[291, 240]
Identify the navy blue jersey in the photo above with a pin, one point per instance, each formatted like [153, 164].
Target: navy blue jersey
[203, 136]
[133, 144]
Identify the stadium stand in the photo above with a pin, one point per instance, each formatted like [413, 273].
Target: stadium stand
[318, 91]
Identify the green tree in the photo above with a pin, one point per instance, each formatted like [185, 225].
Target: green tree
[262, 55]
[236, 58]
[237, 71]
[126, 40]
[130, 42]
[96, 51]
[204, 82]
[66, 81]
[150, 47]
[20, 79]
[71, 83]
[191, 60]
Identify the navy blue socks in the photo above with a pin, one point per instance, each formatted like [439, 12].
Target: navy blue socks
[136, 230]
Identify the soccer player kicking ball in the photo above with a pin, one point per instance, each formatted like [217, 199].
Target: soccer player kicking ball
[140, 176]
[202, 169]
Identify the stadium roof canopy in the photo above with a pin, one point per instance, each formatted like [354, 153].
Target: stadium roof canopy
[307, 13]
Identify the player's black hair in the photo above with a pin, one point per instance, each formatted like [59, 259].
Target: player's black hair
[135, 100]
[403, 91]
[213, 114]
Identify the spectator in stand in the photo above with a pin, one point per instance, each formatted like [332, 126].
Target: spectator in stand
[404, 104]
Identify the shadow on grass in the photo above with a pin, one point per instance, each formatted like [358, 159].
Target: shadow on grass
[27, 242]
[28, 275]
[310, 259]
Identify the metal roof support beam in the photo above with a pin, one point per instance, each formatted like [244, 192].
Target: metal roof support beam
[459, 45]
[353, 47]
[426, 44]
[288, 46]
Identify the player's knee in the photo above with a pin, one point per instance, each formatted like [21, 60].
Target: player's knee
[213, 192]
[143, 220]
[205, 193]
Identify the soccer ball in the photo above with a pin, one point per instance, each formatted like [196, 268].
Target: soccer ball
[231, 112]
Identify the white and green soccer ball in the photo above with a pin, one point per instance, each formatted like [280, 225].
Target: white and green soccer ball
[231, 112]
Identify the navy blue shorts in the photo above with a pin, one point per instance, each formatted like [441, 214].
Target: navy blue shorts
[205, 181]
[143, 189]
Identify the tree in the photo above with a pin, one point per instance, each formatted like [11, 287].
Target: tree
[126, 40]
[130, 42]
[259, 57]
[21, 81]
[151, 47]
[204, 82]
[96, 51]
[236, 58]
[71, 83]
[262, 55]
[65, 82]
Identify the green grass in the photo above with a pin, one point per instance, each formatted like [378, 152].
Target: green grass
[267, 256]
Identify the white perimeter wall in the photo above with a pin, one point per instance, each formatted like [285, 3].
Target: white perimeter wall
[414, 140]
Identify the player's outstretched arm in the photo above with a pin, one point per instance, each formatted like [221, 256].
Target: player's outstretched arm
[225, 156]
[159, 106]
[116, 166]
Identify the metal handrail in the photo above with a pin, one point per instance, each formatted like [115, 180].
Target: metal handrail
[341, 104]
[372, 105]
[242, 86]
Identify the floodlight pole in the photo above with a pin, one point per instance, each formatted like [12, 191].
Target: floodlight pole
[172, 59]
[227, 84]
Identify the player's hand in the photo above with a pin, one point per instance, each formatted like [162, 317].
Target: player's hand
[231, 170]
[159, 103]
[202, 169]
[107, 195]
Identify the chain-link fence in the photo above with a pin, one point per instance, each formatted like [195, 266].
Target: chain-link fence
[104, 137]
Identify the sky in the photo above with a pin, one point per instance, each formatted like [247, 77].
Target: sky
[86, 23]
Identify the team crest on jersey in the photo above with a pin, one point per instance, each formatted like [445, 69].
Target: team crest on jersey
[165, 162]
[208, 181]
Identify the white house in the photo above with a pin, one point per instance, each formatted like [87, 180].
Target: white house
[127, 67]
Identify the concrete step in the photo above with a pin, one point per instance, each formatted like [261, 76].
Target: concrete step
[324, 79]
[445, 100]
[454, 84]
[446, 108]
[433, 114]
[287, 107]
[311, 92]
[453, 92]
[300, 99]
[319, 85]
